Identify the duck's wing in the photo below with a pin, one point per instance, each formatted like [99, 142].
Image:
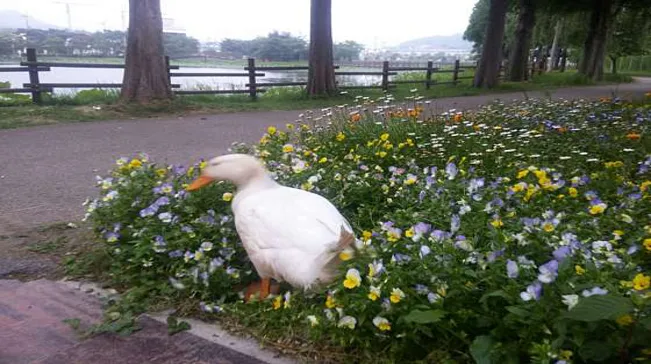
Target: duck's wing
[288, 218]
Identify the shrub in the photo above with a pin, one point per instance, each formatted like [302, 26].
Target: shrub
[514, 233]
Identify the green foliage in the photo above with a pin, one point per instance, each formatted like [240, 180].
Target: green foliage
[107, 43]
[347, 51]
[516, 233]
[175, 326]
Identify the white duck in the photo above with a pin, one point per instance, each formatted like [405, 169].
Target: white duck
[290, 235]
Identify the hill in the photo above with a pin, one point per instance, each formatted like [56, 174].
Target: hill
[11, 19]
[436, 42]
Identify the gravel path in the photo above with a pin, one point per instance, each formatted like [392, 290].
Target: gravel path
[47, 172]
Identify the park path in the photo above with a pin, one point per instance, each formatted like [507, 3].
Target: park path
[47, 172]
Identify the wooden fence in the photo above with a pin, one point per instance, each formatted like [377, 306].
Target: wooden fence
[36, 88]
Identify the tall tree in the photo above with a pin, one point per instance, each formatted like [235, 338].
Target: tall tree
[594, 48]
[321, 74]
[488, 70]
[558, 28]
[145, 73]
[522, 42]
[626, 40]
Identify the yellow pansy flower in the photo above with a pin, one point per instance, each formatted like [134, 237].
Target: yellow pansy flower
[641, 282]
[353, 279]
[396, 295]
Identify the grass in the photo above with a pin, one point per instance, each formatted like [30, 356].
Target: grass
[93, 105]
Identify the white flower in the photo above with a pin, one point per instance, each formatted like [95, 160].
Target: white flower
[348, 322]
[570, 300]
[313, 320]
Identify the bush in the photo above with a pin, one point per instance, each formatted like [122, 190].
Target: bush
[514, 233]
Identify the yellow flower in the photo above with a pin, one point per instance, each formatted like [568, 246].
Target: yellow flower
[442, 291]
[161, 172]
[346, 254]
[288, 148]
[198, 255]
[382, 323]
[203, 164]
[548, 227]
[573, 191]
[523, 173]
[367, 234]
[353, 279]
[271, 130]
[330, 302]
[411, 180]
[323, 160]
[374, 293]
[540, 174]
[560, 197]
[384, 137]
[647, 244]
[393, 235]
[497, 223]
[264, 140]
[382, 154]
[277, 303]
[409, 142]
[597, 209]
[519, 187]
[135, 163]
[340, 137]
[645, 185]
[565, 355]
[626, 284]
[396, 295]
[409, 233]
[616, 164]
[579, 270]
[641, 282]
[227, 196]
[624, 320]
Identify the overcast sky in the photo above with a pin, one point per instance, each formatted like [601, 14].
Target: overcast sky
[372, 22]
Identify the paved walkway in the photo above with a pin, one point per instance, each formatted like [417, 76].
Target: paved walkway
[47, 172]
[32, 331]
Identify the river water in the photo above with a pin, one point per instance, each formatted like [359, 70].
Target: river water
[114, 75]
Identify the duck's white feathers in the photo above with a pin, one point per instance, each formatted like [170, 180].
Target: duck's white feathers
[291, 235]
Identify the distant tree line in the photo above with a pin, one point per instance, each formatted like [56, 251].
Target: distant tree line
[285, 47]
[587, 31]
[107, 43]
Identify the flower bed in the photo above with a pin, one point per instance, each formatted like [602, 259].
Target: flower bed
[516, 232]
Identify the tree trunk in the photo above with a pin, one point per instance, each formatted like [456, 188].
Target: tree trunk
[555, 54]
[145, 72]
[522, 41]
[321, 74]
[594, 48]
[488, 70]
[613, 66]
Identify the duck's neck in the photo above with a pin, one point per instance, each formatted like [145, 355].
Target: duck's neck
[260, 181]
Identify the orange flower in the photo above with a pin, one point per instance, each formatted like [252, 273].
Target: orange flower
[648, 94]
[562, 130]
[633, 136]
[355, 117]
[605, 99]
[458, 117]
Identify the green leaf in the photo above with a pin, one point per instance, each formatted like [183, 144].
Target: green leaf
[595, 308]
[596, 350]
[424, 317]
[646, 323]
[481, 349]
[498, 293]
[518, 311]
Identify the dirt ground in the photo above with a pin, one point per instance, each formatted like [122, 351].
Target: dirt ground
[35, 253]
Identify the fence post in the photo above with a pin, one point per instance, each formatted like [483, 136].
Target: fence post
[167, 69]
[385, 75]
[33, 76]
[252, 86]
[428, 75]
[455, 72]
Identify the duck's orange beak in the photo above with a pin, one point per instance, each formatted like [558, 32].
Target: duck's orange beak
[200, 182]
